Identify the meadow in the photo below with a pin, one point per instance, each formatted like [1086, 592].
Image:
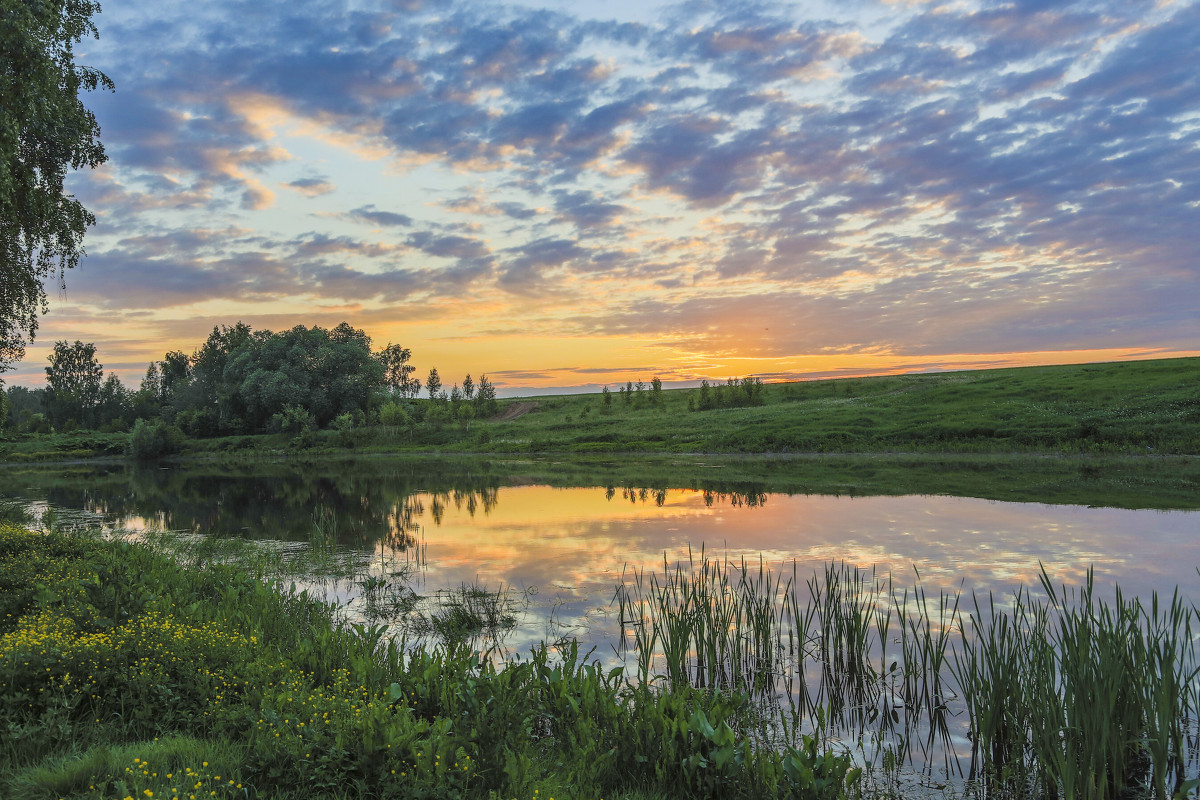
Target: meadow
[1127, 407]
[1121, 408]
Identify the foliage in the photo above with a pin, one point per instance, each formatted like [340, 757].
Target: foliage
[325, 372]
[736, 393]
[45, 129]
[433, 384]
[485, 398]
[208, 366]
[395, 415]
[397, 372]
[152, 439]
[73, 380]
[123, 673]
[293, 419]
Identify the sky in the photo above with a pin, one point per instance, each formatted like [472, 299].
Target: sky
[569, 194]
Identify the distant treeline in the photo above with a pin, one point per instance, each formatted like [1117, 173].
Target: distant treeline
[734, 393]
[242, 381]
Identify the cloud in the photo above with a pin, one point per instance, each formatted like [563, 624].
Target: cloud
[369, 214]
[1002, 176]
[311, 187]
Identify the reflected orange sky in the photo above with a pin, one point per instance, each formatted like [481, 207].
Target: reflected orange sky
[568, 547]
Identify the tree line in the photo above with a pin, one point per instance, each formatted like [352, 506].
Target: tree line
[243, 381]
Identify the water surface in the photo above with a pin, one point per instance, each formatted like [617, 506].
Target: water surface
[565, 533]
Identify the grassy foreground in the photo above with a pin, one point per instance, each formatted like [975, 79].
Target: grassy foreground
[126, 675]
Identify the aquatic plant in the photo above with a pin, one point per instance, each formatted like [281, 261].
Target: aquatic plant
[1067, 695]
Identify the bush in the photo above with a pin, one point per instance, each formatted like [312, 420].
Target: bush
[198, 423]
[152, 439]
[295, 420]
[395, 415]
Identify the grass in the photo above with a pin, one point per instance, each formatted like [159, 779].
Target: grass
[1126, 408]
[1066, 695]
[128, 673]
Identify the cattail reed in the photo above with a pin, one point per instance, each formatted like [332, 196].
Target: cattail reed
[1065, 695]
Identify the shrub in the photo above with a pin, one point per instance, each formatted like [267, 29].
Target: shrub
[153, 439]
[293, 419]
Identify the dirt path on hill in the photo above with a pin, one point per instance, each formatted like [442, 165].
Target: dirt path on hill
[516, 410]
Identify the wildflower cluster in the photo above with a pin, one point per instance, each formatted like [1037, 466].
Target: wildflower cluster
[156, 663]
[165, 779]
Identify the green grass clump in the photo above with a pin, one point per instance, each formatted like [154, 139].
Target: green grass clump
[124, 673]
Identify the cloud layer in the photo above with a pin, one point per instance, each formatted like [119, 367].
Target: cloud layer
[731, 181]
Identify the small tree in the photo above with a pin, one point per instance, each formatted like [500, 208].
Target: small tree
[175, 373]
[468, 387]
[293, 419]
[112, 405]
[397, 372]
[433, 384]
[154, 439]
[465, 413]
[607, 395]
[395, 415]
[656, 391]
[485, 398]
[437, 414]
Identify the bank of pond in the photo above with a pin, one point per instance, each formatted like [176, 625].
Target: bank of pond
[137, 666]
[1123, 408]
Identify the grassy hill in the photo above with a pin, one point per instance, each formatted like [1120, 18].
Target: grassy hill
[1121, 408]
[1124, 407]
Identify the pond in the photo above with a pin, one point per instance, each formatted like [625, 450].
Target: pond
[542, 546]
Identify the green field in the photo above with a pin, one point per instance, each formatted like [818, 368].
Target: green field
[1122, 408]
[1128, 407]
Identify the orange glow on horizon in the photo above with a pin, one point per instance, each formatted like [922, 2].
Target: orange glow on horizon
[540, 360]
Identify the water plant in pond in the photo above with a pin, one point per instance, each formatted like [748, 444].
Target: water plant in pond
[1081, 697]
[469, 614]
[1066, 695]
[714, 627]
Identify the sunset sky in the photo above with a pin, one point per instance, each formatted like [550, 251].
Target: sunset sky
[567, 194]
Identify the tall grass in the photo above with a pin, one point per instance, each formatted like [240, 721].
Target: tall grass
[1066, 695]
[714, 627]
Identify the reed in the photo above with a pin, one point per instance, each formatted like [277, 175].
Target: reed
[714, 626]
[1066, 695]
